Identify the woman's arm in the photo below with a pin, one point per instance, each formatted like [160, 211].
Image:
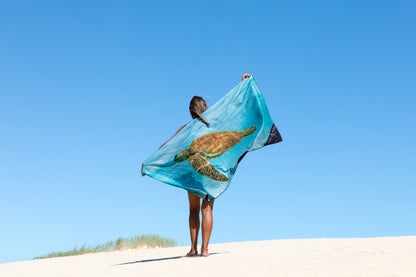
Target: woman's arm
[173, 136]
[245, 75]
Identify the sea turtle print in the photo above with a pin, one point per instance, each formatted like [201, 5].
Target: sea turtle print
[211, 146]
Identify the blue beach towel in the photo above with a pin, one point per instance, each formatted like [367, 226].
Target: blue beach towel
[203, 159]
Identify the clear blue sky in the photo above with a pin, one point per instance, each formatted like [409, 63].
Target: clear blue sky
[90, 89]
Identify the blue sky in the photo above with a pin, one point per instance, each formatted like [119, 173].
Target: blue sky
[90, 89]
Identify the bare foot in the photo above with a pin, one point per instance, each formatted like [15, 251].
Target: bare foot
[204, 252]
[192, 253]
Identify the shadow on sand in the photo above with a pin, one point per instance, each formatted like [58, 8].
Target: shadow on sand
[167, 258]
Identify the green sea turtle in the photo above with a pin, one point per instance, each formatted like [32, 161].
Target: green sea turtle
[211, 146]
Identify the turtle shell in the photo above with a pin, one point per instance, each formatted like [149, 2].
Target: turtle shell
[214, 144]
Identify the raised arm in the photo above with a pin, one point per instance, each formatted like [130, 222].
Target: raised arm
[245, 75]
[173, 136]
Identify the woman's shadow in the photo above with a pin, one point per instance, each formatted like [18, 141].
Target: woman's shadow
[167, 258]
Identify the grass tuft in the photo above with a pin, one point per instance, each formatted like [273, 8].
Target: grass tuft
[151, 241]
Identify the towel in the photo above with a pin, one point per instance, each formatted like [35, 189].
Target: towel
[203, 159]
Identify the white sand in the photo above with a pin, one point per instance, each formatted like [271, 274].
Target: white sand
[386, 256]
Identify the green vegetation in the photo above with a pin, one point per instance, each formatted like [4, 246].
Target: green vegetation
[151, 241]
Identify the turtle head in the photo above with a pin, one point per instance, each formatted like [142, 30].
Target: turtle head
[182, 156]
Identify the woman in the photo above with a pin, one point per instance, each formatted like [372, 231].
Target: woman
[196, 108]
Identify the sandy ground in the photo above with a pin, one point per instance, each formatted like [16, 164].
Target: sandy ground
[385, 256]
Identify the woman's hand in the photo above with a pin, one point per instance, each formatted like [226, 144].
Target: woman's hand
[245, 75]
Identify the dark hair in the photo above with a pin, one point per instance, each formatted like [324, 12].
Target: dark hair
[197, 107]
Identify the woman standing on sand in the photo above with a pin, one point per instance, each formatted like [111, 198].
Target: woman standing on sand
[196, 108]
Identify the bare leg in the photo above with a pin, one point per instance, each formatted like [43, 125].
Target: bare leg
[194, 208]
[207, 223]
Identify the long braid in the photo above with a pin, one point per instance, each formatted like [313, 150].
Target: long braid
[202, 119]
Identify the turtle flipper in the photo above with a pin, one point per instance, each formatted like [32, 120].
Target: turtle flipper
[206, 169]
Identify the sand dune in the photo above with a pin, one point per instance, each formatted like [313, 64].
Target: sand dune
[385, 256]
